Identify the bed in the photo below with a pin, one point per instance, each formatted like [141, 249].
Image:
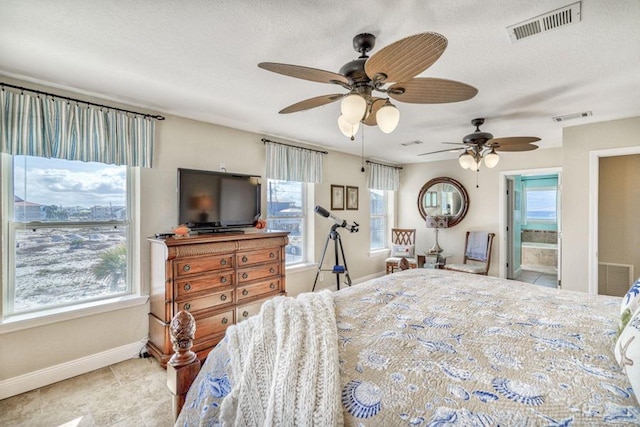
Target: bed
[420, 347]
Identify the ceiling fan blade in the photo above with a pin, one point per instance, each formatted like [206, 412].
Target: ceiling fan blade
[311, 103]
[453, 143]
[516, 147]
[305, 73]
[451, 150]
[407, 57]
[427, 90]
[376, 104]
[513, 140]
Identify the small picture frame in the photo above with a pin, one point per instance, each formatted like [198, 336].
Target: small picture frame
[352, 198]
[337, 197]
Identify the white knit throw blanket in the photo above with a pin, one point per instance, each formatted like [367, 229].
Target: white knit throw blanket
[285, 365]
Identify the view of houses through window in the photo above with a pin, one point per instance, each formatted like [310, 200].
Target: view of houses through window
[285, 211]
[68, 231]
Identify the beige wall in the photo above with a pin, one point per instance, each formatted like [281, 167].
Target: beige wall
[618, 207]
[190, 144]
[484, 209]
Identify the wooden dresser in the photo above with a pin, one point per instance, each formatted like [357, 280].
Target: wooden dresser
[221, 279]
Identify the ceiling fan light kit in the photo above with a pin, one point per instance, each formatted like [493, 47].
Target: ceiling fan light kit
[391, 71]
[480, 146]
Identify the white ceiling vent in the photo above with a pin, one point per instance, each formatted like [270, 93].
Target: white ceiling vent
[416, 142]
[571, 116]
[546, 22]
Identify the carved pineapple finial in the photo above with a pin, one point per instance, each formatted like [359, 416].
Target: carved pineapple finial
[182, 331]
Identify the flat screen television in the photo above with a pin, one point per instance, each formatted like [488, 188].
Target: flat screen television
[214, 201]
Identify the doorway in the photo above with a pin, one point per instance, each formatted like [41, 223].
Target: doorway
[532, 226]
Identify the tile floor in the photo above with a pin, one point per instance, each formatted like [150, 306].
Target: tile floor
[540, 277]
[132, 393]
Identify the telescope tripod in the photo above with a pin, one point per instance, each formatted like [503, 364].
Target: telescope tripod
[337, 268]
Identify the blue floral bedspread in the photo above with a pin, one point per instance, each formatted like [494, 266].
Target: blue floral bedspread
[437, 348]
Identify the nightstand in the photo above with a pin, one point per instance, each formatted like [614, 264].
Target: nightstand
[428, 260]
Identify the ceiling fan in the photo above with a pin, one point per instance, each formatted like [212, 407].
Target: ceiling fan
[390, 71]
[482, 145]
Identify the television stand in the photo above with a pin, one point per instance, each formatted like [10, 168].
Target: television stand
[218, 231]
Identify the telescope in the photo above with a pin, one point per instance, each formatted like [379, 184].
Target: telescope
[339, 221]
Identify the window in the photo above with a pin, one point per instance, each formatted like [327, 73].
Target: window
[540, 204]
[286, 202]
[68, 233]
[378, 212]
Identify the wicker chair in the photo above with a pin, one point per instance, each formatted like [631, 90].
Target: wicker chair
[476, 252]
[403, 246]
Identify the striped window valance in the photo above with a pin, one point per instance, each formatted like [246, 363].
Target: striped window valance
[383, 177]
[45, 126]
[289, 163]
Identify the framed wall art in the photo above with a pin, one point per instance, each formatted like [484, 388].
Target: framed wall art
[352, 198]
[337, 197]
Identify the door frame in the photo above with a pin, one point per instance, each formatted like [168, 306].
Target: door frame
[594, 183]
[502, 217]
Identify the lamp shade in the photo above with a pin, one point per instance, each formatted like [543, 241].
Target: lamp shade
[388, 117]
[475, 163]
[438, 221]
[353, 108]
[491, 159]
[465, 160]
[347, 128]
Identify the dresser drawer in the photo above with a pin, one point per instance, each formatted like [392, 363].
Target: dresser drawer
[258, 289]
[256, 273]
[194, 305]
[257, 256]
[188, 266]
[212, 325]
[245, 311]
[190, 285]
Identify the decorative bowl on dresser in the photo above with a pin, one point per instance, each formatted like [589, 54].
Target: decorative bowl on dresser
[221, 279]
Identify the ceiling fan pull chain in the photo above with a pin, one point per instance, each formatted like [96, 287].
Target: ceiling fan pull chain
[362, 156]
[477, 173]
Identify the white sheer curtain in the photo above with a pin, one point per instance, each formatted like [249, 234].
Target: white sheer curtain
[290, 163]
[43, 126]
[382, 177]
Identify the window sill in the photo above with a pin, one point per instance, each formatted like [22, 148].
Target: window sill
[303, 266]
[33, 320]
[379, 252]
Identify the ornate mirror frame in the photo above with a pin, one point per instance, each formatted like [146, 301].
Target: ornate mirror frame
[427, 197]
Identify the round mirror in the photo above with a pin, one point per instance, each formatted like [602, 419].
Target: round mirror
[443, 196]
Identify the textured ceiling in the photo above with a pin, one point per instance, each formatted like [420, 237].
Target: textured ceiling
[198, 59]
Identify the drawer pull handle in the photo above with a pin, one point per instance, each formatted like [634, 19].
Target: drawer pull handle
[186, 267]
[245, 313]
[272, 255]
[245, 292]
[223, 261]
[245, 275]
[187, 306]
[245, 259]
[223, 280]
[272, 286]
[272, 270]
[223, 297]
[187, 287]
[224, 320]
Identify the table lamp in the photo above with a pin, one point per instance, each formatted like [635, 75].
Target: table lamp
[437, 222]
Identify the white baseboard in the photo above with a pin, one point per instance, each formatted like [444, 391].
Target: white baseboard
[43, 377]
[357, 281]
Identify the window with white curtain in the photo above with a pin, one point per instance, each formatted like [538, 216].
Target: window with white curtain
[286, 204]
[291, 171]
[383, 181]
[68, 232]
[378, 219]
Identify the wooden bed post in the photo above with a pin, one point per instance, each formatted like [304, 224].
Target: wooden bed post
[184, 364]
